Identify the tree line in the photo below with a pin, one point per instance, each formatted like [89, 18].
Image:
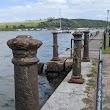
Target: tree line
[55, 23]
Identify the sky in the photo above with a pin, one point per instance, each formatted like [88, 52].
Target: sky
[19, 10]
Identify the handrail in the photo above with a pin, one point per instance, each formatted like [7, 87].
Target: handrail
[99, 82]
[71, 47]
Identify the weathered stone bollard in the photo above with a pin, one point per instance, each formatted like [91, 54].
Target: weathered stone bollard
[86, 47]
[24, 50]
[76, 74]
[55, 47]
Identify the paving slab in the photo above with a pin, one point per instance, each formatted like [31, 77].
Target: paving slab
[68, 96]
[106, 82]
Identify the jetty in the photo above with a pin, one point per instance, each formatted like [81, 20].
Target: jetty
[69, 96]
[75, 75]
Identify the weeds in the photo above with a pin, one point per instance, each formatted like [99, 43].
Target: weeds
[90, 85]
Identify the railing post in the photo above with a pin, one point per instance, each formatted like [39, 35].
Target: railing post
[24, 50]
[86, 47]
[99, 82]
[71, 47]
[55, 47]
[109, 37]
[76, 74]
[104, 40]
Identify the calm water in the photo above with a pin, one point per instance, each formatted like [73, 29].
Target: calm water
[6, 68]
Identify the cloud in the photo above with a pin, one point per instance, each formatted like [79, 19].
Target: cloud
[37, 9]
[71, 1]
[57, 1]
[13, 0]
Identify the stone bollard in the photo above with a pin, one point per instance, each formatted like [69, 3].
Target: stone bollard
[86, 47]
[55, 47]
[24, 50]
[76, 74]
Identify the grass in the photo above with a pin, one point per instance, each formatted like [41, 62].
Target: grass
[93, 73]
[87, 100]
[54, 23]
[90, 85]
[84, 109]
[27, 23]
[107, 50]
[91, 82]
[93, 70]
[94, 62]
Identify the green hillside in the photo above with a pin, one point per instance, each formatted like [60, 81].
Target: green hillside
[72, 23]
[21, 24]
[52, 24]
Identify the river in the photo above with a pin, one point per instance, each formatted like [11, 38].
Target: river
[44, 54]
[6, 69]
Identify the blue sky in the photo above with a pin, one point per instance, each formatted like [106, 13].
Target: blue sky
[18, 10]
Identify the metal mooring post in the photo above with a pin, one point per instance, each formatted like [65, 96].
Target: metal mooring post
[24, 50]
[86, 47]
[71, 47]
[109, 37]
[55, 47]
[104, 40]
[76, 74]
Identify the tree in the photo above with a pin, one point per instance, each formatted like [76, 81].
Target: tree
[21, 26]
[14, 27]
[6, 27]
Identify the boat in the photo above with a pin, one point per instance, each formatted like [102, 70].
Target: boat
[63, 31]
[60, 30]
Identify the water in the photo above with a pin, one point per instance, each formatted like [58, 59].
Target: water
[6, 68]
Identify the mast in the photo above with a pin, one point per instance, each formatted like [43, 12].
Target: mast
[60, 17]
[108, 19]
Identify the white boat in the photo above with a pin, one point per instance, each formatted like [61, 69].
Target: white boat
[63, 31]
[60, 30]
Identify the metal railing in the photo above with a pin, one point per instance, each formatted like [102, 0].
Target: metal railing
[71, 47]
[104, 40]
[99, 82]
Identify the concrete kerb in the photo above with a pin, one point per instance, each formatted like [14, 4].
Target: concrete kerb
[69, 96]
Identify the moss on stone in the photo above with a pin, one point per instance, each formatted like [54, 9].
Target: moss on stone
[85, 108]
[87, 100]
[90, 86]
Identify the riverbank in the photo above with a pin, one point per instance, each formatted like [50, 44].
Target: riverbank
[70, 96]
[52, 23]
[106, 76]
[7, 98]
[7, 101]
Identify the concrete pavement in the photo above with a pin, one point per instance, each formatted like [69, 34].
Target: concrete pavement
[68, 96]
